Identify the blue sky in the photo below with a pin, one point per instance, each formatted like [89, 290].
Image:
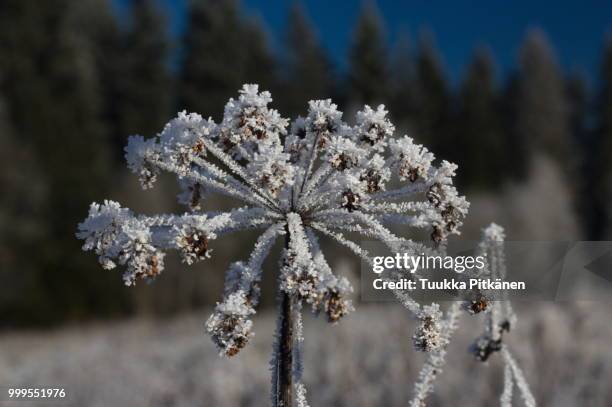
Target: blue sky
[575, 28]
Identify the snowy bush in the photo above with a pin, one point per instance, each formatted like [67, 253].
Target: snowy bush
[319, 176]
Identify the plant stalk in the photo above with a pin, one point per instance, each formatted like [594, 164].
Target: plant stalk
[284, 371]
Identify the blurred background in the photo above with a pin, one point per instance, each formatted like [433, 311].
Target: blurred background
[518, 94]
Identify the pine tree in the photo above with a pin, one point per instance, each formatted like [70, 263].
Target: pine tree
[147, 95]
[578, 103]
[604, 102]
[516, 159]
[368, 70]
[261, 66]
[22, 225]
[213, 56]
[99, 25]
[50, 87]
[584, 139]
[601, 150]
[403, 98]
[543, 111]
[479, 124]
[221, 51]
[308, 69]
[433, 100]
[132, 65]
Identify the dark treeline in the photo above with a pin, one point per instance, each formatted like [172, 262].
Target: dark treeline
[76, 79]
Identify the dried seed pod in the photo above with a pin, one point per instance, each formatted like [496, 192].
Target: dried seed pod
[479, 306]
[194, 247]
[437, 235]
[343, 161]
[504, 326]
[434, 194]
[427, 337]
[230, 325]
[336, 306]
[372, 179]
[484, 347]
[375, 134]
[350, 201]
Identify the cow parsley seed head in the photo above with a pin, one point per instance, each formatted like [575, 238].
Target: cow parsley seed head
[248, 124]
[230, 325]
[373, 127]
[343, 154]
[139, 154]
[323, 121]
[192, 240]
[181, 140]
[351, 198]
[323, 177]
[117, 237]
[499, 317]
[428, 337]
[374, 175]
[273, 168]
[337, 304]
[498, 320]
[413, 160]
[479, 303]
[102, 226]
[452, 208]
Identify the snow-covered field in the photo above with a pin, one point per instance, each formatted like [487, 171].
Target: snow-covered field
[366, 360]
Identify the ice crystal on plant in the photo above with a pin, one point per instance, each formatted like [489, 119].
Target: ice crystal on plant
[373, 127]
[138, 154]
[230, 325]
[428, 335]
[414, 160]
[118, 237]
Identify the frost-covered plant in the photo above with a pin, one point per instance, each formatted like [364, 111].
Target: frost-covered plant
[319, 176]
[499, 319]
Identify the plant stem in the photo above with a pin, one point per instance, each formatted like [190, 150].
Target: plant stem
[285, 369]
[284, 361]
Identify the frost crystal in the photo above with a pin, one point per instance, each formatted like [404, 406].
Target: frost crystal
[230, 325]
[428, 334]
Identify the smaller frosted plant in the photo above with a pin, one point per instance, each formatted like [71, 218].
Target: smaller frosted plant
[500, 319]
[317, 176]
[436, 329]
